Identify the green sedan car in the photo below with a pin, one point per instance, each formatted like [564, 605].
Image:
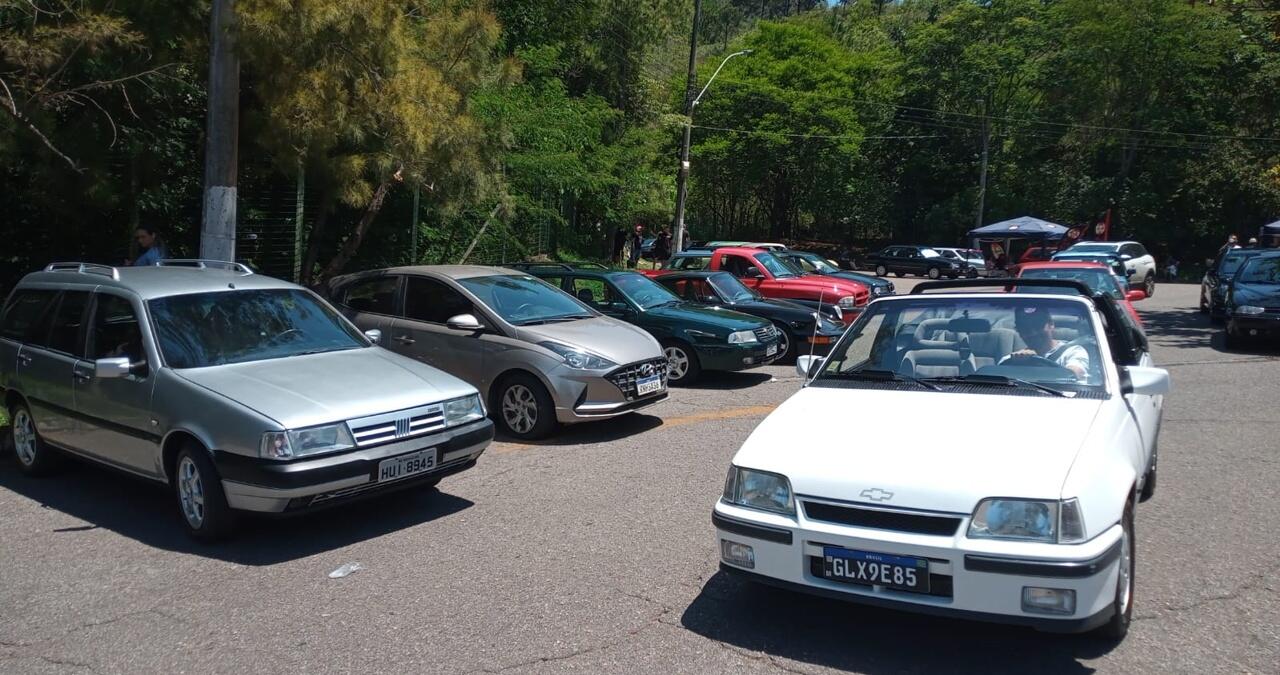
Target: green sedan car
[694, 338]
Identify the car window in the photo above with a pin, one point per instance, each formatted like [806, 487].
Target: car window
[691, 262]
[23, 312]
[700, 290]
[593, 291]
[1139, 250]
[776, 266]
[928, 253]
[115, 331]
[736, 265]
[1260, 271]
[433, 301]
[376, 295]
[1095, 278]
[66, 335]
[948, 253]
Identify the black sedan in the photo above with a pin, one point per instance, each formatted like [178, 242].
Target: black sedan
[1217, 280]
[1253, 300]
[812, 263]
[795, 322]
[919, 260]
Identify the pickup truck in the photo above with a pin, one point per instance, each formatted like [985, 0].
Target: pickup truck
[774, 278]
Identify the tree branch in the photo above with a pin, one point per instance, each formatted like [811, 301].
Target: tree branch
[12, 109]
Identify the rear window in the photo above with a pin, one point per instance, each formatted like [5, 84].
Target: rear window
[23, 312]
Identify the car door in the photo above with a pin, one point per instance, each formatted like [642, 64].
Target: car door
[422, 332]
[46, 368]
[1146, 409]
[370, 303]
[913, 262]
[23, 312]
[116, 412]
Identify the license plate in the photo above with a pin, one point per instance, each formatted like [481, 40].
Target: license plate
[648, 385]
[877, 569]
[406, 465]
[771, 350]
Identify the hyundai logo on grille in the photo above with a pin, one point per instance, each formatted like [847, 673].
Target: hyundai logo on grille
[876, 494]
[646, 370]
[402, 427]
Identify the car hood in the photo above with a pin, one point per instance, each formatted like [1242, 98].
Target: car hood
[864, 279]
[615, 340]
[690, 314]
[304, 391]
[781, 310]
[932, 450]
[832, 286]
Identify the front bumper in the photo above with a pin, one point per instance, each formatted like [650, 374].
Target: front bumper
[976, 579]
[256, 484]
[583, 396]
[819, 345]
[737, 357]
[1255, 326]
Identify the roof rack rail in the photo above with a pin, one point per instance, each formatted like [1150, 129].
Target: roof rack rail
[525, 265]
[206, 264]
[1008, 283]
[84, 268]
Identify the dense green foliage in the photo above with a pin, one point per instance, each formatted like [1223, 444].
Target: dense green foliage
[850, 121]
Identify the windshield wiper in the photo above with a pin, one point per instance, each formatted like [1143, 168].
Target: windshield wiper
[1003, 380]
[554, 319]
[880, 375]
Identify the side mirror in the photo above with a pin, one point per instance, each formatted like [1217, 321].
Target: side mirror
[1144, 381]
[464, 322]
[1126, 257]
[374, 335]
[112, 368]
[1135, 295]
[807, 364]
[753, 273]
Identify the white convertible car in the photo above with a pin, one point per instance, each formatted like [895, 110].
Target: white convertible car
[1026, 517]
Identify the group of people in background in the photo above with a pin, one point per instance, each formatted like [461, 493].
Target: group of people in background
[629, 246]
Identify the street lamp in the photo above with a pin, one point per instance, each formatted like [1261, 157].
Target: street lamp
[683, 176]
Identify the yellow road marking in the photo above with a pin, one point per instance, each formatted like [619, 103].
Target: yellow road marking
[683, 420]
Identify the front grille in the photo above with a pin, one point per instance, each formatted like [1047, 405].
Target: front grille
[397, 425]
[940, 585]
[625, 377]
[896, 521]
[767, 333]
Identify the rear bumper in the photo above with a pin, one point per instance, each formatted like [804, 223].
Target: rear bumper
[254, 484]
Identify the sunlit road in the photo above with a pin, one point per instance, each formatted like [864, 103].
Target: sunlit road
[594, 552]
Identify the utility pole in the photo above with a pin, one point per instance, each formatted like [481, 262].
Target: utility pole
[982, 180]
[682, 177]
[218, 230]
[413, 227]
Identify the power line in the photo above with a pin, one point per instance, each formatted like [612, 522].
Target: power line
[762, 132]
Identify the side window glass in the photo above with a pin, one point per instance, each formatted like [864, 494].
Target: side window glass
[700, 290]
[23, 313]
[1139, 250]
[736, 265]
[377, 295]
[558, 282]
[594, 292]
[115, 332]
[66, 335]
[434, 302]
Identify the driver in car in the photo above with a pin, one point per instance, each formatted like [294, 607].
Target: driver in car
[1035, 326]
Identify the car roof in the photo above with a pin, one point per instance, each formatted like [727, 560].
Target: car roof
[154, 281]
[689, 274]
[742, 250]
[1062, 264]
[453, 271]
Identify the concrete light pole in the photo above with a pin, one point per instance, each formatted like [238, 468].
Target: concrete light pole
[218, 228]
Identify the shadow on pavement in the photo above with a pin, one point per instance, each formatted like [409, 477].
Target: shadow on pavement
[715, 380]
[601, 431]
[145, 512]
[1189, 329]
[853, 637]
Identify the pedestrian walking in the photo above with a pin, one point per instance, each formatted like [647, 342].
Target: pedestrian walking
[619, 245]
[662, 248]
[1232, 242]
[152, 244]
[637, 242]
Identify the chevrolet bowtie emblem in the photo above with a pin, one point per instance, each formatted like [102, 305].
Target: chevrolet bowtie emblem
[876, 494]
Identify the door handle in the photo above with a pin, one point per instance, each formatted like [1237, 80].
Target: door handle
[404, 339]
[24, 360]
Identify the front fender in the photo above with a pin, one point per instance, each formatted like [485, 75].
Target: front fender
[1104, 473]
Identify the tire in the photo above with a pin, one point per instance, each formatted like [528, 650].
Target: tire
[881, 271]
[787, 347]
[523, 409]
[1118, 626]
[1149, 285]
[900, 274]
[197, 492]
[682, 363]
[934, 273]
[973, 273]
[35, 457]
[1149, 484]
[1204, 307]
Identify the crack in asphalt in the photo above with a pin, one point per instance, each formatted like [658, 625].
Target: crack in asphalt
[1257, 582]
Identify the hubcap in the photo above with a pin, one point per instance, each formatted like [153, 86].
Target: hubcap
[881, 271]
[1151, 286]
[24, 437]
[784, 342]
[1126, 573]
[934, 273]
[519, 409]
[191, 492]
[677, 363]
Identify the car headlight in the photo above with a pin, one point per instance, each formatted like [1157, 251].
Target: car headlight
[879, 290]
[1054, 522]
[463, 410]
[578, 358]
[306, 442]
[847, 302]
[759, 490]
[1249, 309]
[742, 337]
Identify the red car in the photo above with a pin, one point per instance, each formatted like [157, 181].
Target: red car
[773, 277]
[1097, 276]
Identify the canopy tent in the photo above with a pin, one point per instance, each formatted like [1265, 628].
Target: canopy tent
[1025, 227]
[1269, 234]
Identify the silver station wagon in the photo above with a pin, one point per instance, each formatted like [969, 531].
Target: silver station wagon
[241, 392]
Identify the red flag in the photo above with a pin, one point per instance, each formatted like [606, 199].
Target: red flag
[1102, 231]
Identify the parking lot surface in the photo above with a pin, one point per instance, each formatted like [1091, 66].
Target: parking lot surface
[594, 552]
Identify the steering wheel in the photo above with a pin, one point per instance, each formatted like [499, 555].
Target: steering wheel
[1035, 361]
[522, 309]
[287, 332]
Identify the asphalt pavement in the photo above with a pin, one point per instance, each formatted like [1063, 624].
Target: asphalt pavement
[594, 552]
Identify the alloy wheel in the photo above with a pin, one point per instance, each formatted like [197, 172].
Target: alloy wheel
[1125, 580]
[24, 437]
[784, 343]
[191, 492]
[519, 408]
[677, 363]
[1150, 285]
[881, 270]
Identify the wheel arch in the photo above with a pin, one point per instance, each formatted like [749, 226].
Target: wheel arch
[174, 441]
[495, 385]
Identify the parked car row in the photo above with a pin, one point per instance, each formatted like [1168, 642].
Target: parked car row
[1250, 305]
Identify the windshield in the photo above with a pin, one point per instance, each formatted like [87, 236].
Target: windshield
[997, 339]
[1232, 262]
[1096, 279]
[643, 291]
[730, 288]
[214, 329]
[1260, 271]
[524, 300]
[776, 266]
[812, 262]
[1093, 248]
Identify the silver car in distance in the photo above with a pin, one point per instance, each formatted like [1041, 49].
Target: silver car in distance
[539, 356]
[241, 392]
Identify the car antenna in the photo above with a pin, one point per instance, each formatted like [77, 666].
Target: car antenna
[814, 338]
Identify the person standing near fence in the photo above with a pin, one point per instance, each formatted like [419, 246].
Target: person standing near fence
[619, 245]
[637, 242]
[662, 248]
[152, 245]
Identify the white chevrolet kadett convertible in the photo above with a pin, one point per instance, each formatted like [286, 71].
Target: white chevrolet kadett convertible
[1005, 440]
